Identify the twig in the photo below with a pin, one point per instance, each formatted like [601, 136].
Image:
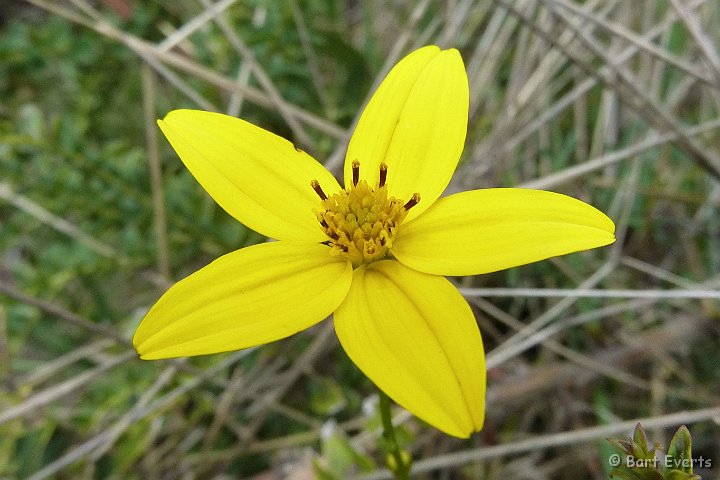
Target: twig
[5, 359]
[210, 12]
[151, 52]
[641, 42]
[63, 314]
[575, 437]
[706, 44]
[335, 161]
[42, 398]
[310, 56]
[588, 293]
[156, 183]
[264, 79]
[634, 96]
[57, 223]
[579, 170]
[90, 445]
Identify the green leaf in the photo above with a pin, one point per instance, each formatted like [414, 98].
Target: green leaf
[339, 458]
[625, 473]
[680, 475]
[679, 455]
[326, 396]
[622, 446]
[641, 441]
[322, 473]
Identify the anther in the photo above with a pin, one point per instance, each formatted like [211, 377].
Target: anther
[316, 186]
[383, 175]
[356, 172]
[412, 202]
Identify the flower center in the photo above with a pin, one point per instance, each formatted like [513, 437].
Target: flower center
[361, 221]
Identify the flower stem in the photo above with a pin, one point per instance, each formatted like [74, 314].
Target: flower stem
[398, 460]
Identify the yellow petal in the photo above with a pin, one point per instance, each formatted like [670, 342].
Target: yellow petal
[483, 231]
[415, 337]
[248, 297]
[416, 123]
[254, 175]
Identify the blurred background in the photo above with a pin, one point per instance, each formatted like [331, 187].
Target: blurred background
[615, 102]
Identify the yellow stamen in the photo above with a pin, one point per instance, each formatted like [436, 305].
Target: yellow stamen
[361, 221]
[383, 175]
[355, 172]
[412, 202]
[318, 189]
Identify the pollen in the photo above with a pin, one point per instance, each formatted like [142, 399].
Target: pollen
[361, 221]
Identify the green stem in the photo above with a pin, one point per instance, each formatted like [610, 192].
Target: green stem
[398, 461]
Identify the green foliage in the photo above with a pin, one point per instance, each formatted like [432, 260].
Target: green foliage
[339, 459]
[641, 462]
[73, 145]
[679, 454]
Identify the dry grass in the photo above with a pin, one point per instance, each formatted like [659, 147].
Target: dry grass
[614, 102]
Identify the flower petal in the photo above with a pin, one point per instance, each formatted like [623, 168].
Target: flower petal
[248, 297]
[254, 175]
[415, 337]
[482, 231]
[416, 123]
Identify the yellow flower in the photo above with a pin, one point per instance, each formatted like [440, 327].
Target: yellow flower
[373, 253]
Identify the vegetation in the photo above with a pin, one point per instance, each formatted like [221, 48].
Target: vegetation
[616, 103]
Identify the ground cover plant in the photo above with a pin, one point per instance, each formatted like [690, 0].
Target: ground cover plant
[612, 102]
